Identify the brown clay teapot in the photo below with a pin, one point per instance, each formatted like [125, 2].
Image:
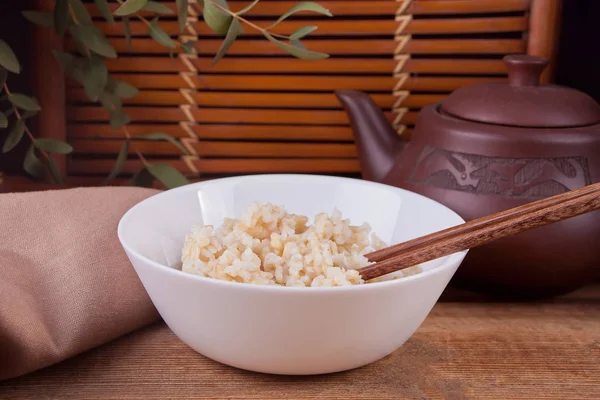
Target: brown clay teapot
[489, 147]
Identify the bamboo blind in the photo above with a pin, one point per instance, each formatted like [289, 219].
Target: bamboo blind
[261, 111]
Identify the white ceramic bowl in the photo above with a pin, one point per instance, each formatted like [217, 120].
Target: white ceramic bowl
[284, 330]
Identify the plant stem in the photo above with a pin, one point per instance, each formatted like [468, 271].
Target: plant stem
[140, 155]
[29, 134]
[113, 108]
[244, 20]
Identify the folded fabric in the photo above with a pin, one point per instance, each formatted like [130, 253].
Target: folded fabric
[66, 285]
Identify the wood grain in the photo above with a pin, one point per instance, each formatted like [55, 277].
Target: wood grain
[544, 33]
[483, 230]
[276, 8]
[464, 350]
[227, 165]
[223, 115]
[381, 47]
[221, 149]
[330, 66]
[431, 7]
[347, 27]
[304, 83]
[374, 7]
[257, 99]
[220, 131]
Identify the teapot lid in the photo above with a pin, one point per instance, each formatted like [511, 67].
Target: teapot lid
[523, 101]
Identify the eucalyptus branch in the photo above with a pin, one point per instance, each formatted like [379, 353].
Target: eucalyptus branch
[245, 21]
[20, 117]
[113, 108]
[31, 163]
[92, 73]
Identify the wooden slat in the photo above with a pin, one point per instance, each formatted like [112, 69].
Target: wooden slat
[221, 132]
[261, 82]
[464, 46]
[244, 65]
[277, 8]
[467, 25]
[258, 47]
[347, 27]
[221, 115]
[454, 66]
[437, 84]
[221, 149]
[256, 100]
[466, 6]
[326, 28]
[226, 166]
[290, 65]
[303, 83]
[235, 99]
[336, 47]
[374, 7]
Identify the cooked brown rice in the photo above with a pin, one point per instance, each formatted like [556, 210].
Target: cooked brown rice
[269, 246]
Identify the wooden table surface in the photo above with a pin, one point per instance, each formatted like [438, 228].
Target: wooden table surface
[464, 350]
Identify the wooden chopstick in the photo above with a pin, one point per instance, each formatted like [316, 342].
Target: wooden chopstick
[483, 230]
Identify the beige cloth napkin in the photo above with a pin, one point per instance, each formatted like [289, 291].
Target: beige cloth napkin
[66, 284]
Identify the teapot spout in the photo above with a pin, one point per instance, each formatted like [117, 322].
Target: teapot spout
[377, 143]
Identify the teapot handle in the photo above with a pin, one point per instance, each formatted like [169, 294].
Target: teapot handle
[525, 70]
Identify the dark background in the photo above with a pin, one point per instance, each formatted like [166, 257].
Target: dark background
[578, 64]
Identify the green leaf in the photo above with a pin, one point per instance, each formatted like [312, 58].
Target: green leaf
[167, 175]
[159, 35]
[28, 114]
[235, 29]
[163, 136]
[298, 52]
[3, 77]
[156, 7]
[43, 19]
[122, 89]
[55, 172]
[130, 7]
[95, 76]
[142, 178]
[304, 6]
[14, 136]
[53, 146]
[111, 102]
[24, 102]
[121, 158]
[81, 13]
[300, 33]
[297, 43]
[248, 8]
[119, 118]
[216, 19]
[182, 13]
[72, 67]
[3, 121]
[32, 165]
[127, 31]
[102, 6]
[61, 16]
[8, 59]
[94, 39]
[189, 46]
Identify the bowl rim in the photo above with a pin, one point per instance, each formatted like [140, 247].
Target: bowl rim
[449, 261]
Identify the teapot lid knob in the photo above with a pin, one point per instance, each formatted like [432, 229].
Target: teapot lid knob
[525, 70]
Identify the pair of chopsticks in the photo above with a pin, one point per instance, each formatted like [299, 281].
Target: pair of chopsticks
[482, 230]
